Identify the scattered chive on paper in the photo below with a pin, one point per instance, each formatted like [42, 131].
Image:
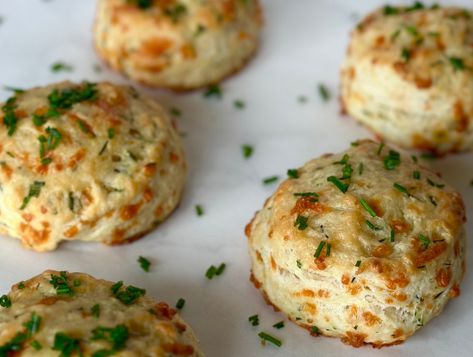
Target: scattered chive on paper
[239, 104]
[247, 150]
[61, 67]
[213, 91]
[270, 180]
[199, 210]
[279, 325]
[254, 320]
[213, 271]
[266, 337]
[180, 303]
[145, 264]
[324, 92]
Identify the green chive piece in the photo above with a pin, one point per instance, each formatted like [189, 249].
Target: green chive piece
[270, 180]
[372, 226]
[457, 63]
[416, 175]
[293, 173]
[301, 222]
[299, 263]
[266, 337]
[214, 271]
[95, 311]
[199, 210]
[145, 264]
[406, 54]
[392, 161]
[324, 92]
[401, 188]
[279, 325]
[392, 235]
[367, 207]
[339, 184]
[380, 149]
[424, 240]
[34, 191]
[61, 67]
[247, 151]
[239, 104]
[328, 250]
[306, 194]
[213, 91]
[358, 263]
[180, 303]
[254, 320]
[5, 301]
[318, 251]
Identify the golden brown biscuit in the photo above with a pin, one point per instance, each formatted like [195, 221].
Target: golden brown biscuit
[93, 162]
[76, 314]
[408, 76]
[182, 44]
[366, 245]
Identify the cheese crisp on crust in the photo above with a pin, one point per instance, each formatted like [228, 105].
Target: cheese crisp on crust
[74, 314]
[366, 246]
[93, 162]
[408, 76]
[178, 44]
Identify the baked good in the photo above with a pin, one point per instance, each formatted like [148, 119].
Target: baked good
[181, 45]
[76, 314]
[92, 162]
[366, 245]
[407, 76]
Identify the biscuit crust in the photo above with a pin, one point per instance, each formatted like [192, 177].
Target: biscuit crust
[407, 77]
[371, 265]
[106, 168]
[181, 45]
[152, 328]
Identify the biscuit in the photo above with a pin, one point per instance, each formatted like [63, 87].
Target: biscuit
[92, 162]
[407, 77]
[366, 246]
[73, 312]
[180, 45]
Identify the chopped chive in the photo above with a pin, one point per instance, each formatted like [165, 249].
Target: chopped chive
[416, 175]
[358, 263]
[266, 337]
[392, 161]
[214, 271]
[401, 188]
[306, 194]
[239, 104]
[299, 263]
[390, 10]
[199, 210]
[180, 303]
[175, 111]
[391, 235]
[145, 264]
[104, 147]
[343, 161]
[292, 173]
[367, 207]
[247, 151]
[406, 54]
[5, 301]
[34, 191]
[270, 180]
[340, 185]
[360, 168]
[254, 320]
[372, 226]
[61, 67]
[21, 285]
[279, 325]
[328, 250]
[318, 251]
[380, 149]
[347, 171]
[213, 91]
[424, 240]
[457, 63]
[432, 183]
[111, 133]
[95, 311]
[432, 200]
[36, 345]
[414, 159]
[301, 222]
[314, 330]
[324, 92]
